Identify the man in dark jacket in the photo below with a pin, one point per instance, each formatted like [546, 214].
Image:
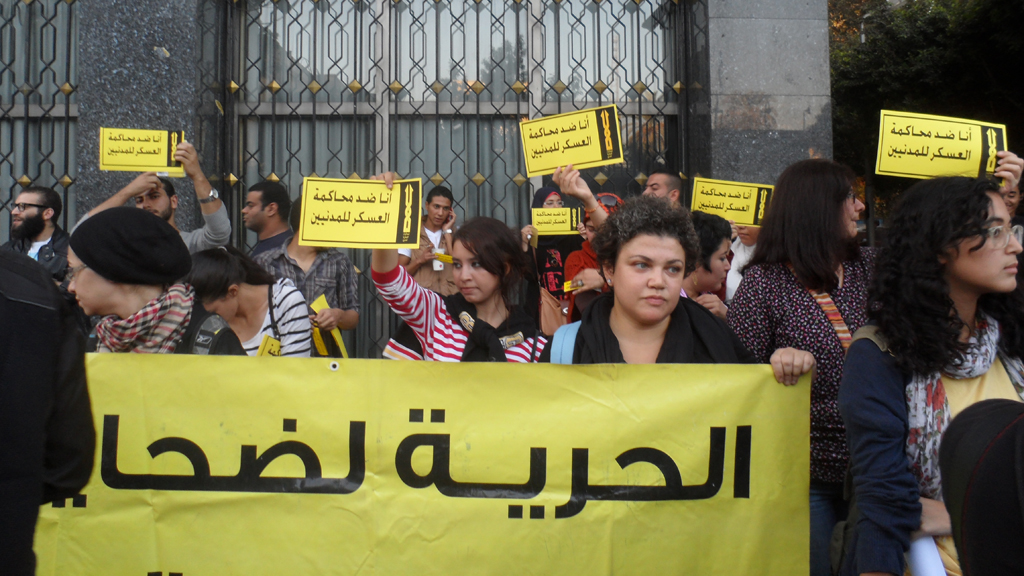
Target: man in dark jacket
[34, 230]
[47, 438]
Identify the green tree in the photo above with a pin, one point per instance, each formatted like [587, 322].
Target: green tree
[947, 57]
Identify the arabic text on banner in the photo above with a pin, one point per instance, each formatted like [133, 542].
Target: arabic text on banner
[360, 213]
[308, 466]
[585, 139]
[738, 201]
[131, 150]
[556, 221]
[926, 146]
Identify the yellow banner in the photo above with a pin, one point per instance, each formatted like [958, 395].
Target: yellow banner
[926, 146]
[585, 139]
[556, 221]
[360, 213]
[307, 466]
[738, 201]
[130, 150]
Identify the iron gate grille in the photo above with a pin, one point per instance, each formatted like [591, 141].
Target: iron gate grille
[38, 104]
[436, 89]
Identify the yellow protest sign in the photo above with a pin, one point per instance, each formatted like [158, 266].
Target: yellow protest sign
[321, 304]
[130, 150]
[585, 139]
[360, 213]
[738, 201]
[292, 466]
[556, 221]
[926, 146]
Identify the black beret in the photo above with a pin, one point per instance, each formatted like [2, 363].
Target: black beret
[131, 246]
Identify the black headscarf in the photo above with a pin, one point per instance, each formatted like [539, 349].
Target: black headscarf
[982, 462]
[695, 336]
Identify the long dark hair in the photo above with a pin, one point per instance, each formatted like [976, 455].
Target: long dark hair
[214, 271]
[498, 251]
[803, 225]
[909, 296]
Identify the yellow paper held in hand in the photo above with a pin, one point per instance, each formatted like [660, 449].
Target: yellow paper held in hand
[447, 259]
[926, 146]
[569, 286]
[130, 150]
[740, 202]
[321, 304]
[360, 213]
[585, 139]
[557, 221]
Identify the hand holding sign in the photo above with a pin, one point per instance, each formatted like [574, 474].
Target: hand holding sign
[926, 146]
[360, 213]
[586, 138]
[1009, 168]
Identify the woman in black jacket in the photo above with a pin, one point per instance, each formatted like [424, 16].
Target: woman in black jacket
[645, 250]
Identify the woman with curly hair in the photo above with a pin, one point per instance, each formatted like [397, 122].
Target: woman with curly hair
[947, 331]
[644, 251]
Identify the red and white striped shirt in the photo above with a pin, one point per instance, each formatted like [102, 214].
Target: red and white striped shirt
[441, 338]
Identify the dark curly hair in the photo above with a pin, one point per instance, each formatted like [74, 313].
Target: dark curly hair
[909, 296]
[646, 215]
[711, 230]
[804, 225]
[498, 250]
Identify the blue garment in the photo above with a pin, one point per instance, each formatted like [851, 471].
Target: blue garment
[827, 508]
[275, 241]
[872, 402]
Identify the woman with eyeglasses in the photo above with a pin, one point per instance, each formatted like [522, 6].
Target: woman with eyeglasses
[127, 266]
[806, 288]
[947, 331]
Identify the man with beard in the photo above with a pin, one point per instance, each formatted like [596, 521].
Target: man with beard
[34, 230]
[435, 238]
[266, 211]
[157, 195]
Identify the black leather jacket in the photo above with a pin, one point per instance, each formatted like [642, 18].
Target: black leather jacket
[53, 256]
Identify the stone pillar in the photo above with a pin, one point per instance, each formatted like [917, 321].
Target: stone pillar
[136, 69]
[769, 85]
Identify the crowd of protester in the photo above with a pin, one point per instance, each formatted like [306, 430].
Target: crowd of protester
[899, 339]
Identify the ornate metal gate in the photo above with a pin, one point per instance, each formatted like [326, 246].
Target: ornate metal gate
[436, 89]
[38, 107]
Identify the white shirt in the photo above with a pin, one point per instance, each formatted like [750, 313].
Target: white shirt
[33, 252]
[741, 255]
[434, 237]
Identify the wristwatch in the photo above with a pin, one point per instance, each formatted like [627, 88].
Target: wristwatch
[213, 196]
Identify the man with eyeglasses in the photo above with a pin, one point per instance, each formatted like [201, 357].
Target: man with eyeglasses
[34, 230]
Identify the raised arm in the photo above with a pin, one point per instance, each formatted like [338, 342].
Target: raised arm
[384, 260]
[189, 158]
[570, 182]
[143, 183]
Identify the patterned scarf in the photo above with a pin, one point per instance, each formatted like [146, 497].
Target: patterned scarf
[154, 329]
[928, 408]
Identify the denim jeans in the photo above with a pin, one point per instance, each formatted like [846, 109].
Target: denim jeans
[827, 508]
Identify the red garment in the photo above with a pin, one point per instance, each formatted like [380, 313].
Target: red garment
[577, 262]
[441, 339]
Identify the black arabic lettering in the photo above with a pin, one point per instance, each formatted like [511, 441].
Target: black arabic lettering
[582, 490]
[250, 468]
[440, 471]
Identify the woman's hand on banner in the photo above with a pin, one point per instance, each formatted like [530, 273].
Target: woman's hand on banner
[789, 364]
